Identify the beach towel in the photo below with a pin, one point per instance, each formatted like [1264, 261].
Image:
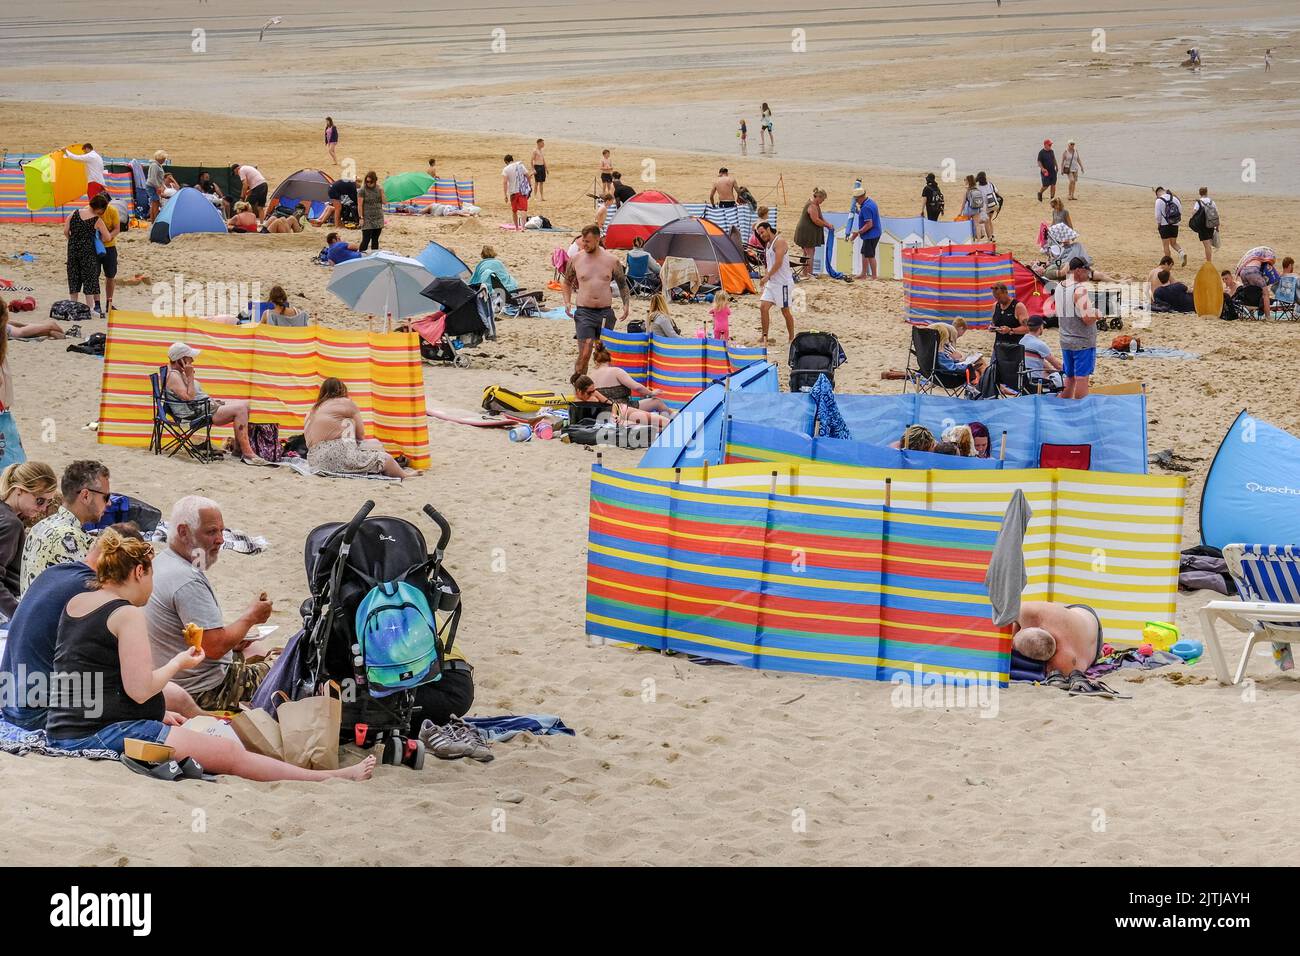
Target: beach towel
[497, 729]
[233, 540]
[1154, 352]
[1006, 577]
[557, 313]
[19, 742]
[301, 467]
[830, 423]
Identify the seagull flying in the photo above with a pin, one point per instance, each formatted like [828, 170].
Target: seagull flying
[267, 25]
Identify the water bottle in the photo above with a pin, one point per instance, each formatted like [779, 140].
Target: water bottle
[1132, 347]
[521, 433]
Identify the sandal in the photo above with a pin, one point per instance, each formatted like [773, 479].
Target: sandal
[167, 770]
[1081, 685]
[256, 460]
[191, 769]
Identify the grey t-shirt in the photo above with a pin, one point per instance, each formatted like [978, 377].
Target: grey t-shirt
[1076, 335]
[1035, 351]
[182, 595]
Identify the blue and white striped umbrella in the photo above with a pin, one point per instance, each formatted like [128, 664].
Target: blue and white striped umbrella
[382, 284]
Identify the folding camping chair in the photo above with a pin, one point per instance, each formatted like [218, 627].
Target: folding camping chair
[1010, 374]
[639, 277]
[521, 302]
[923, 371]
[1065, 456]
[1268, 582]
[172, 433]
[1284, 294]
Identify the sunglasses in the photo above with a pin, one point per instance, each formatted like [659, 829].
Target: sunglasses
[107, 496]
[42, 501]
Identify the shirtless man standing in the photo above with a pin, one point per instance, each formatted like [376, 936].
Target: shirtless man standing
[725, 188]
[590, 273]
[1066, 637]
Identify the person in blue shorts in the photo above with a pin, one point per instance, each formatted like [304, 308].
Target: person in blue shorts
[1078, 318]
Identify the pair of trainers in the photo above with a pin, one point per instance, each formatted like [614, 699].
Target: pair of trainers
[453, 740]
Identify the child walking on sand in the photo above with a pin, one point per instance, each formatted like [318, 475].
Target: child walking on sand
[721, 315]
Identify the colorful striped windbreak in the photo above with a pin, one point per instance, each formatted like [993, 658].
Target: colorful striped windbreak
[1104, 539]
[13, 198]
[783, 582]
[444, 192]
[278, 369]
[680, 368]
[948, 282]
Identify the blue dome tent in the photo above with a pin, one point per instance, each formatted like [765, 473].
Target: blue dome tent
[1252, 491]
[188, 211]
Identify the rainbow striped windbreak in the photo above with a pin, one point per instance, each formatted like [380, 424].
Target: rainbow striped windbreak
[444, 192]
[784, 582]
[278, 369]
[13, 198]
[680, 368]
[944, 283]
[1104, 539]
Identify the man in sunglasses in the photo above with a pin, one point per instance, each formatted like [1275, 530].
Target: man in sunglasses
[59, 539]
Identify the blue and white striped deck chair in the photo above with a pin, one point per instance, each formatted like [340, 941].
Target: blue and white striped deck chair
[1268, 583]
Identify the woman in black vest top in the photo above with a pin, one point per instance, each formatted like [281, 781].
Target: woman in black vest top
[109, 690]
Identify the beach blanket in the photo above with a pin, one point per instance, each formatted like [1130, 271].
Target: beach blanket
[497, 729]
[301, 467]
[19, 742]
[233, 540]
[556, 313]
[1154, 352]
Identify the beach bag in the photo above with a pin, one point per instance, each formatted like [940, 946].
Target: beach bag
[11, 445]
[309, 729]
[1120, 343]
[66, 310]
[265, 439]
[259, 732]
[1197, 222]
[398, 635]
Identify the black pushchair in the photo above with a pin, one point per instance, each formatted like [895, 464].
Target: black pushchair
[467, 320]
[344, 562]
[813, 354]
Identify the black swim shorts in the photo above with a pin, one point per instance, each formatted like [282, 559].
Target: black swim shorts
[590, 322]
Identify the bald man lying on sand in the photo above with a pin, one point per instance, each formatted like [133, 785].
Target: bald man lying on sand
[1066, 637]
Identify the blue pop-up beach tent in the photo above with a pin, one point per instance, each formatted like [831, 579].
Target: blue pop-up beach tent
[442, 262]
[1252, 492]
[188, 211]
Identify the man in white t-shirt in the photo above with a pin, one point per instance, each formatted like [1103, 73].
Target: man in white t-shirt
[778, 280]
[94, 164]
[517, 185]
[1169, 213]
[1039, 358]
[254, 188]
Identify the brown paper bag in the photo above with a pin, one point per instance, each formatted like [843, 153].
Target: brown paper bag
[258, 732]
[309, 729]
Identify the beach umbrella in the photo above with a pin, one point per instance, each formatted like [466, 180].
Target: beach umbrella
[404, 186]
[382, 284]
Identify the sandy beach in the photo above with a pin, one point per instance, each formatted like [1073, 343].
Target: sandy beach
[720, 764]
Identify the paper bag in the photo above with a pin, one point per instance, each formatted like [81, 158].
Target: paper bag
[309, 729]
[258, 732]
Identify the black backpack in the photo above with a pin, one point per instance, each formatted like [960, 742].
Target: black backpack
[94, 344]
[1173, 210]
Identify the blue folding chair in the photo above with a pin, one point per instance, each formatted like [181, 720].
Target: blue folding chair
[172, 433]
[1268, 581]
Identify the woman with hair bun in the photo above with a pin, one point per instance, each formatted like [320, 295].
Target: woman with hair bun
[103, 639]
[26, 492]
